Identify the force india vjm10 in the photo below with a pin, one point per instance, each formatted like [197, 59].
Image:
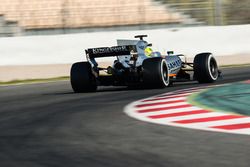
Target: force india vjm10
[136, 64]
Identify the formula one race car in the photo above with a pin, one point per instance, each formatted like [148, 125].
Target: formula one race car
[137, 64]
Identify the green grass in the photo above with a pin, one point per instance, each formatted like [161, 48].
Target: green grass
[235, 65]
[29, 81]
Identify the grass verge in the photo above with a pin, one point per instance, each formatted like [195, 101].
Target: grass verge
[235, 65]
[30, 81]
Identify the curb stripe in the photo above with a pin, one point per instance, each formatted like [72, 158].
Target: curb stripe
[184, 117]
[208, 119]
[163, 98]
[177, 93]
[186, 109]
[233, 127]
[159, 103]
[173, 109]
[164, 108]
[178, 114]
[220, 123]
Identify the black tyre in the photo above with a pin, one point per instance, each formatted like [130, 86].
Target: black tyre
[155, 73]
[81, 77]
[205, 68]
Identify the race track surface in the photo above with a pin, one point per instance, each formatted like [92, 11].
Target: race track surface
[47, 125]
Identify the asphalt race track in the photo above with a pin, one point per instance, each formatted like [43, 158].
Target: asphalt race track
[47, 125]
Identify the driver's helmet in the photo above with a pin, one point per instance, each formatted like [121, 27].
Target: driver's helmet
[148, 51]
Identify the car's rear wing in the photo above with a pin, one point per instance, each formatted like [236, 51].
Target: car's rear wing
[110, 51]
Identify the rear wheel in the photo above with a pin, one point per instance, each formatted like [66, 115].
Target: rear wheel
[205, 68]
[155, 73]
[81, 77]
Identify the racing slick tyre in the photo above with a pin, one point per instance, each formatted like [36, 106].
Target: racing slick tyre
[205, 68]
[155, 73]
[81, 78]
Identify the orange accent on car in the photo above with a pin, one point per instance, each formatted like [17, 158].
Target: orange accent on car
[172, 75]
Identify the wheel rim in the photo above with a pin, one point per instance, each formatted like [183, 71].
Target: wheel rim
[165, 76]
[213, 68]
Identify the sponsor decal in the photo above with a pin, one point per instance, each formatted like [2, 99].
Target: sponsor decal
[174, 66]
[109, 49]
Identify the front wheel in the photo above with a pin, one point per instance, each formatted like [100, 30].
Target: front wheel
[81, 77]
[155, 73]
[205, 68]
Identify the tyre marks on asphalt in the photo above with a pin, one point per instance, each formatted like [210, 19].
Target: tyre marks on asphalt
[173, 109]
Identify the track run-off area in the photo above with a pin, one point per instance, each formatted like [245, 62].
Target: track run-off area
[47, 125]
